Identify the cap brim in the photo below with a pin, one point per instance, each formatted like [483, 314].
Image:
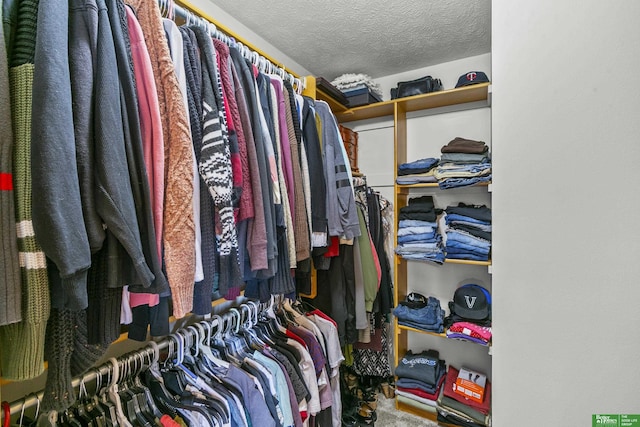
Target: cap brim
[472, 314]
[474, 82]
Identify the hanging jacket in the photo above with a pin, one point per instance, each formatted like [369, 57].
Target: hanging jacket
[138, 171]
[249, 85]
[57, 211]
[246, 209]
[341, 206]
[256, 234]
[202, 290]
[215, 167]
[300, 223]
[314, 152]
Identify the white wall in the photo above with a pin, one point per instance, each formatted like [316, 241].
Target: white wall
[566, 150]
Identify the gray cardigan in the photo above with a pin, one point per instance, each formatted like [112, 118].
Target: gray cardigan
[57, 208]
[341, 204]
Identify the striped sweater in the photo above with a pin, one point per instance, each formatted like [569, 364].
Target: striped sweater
[215, 167]
[10, 302]
[23, 343]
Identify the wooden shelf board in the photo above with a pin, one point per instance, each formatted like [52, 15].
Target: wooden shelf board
[435, 334]
[467, 262]
[335, 106]
[378, 109]
[399, 259]
[420, 331]
[463, 95]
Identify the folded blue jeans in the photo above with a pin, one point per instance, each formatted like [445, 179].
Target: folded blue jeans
[426, 163]
[416, 223]
[448, 183]
[466, 238]
[458, 247]
[468, 256]
[438, 328]
[417, 237]
[451, 217]
[431, 314]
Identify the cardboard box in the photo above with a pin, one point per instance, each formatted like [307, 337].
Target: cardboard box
[470, 384]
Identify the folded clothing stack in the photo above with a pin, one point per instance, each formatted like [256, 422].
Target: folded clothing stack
[420, 312]
[463, 162]
[350, 81]
[420, 378]
[418, 237]
[468, 232]
[455, 409]
[468, 331]
[418, 171]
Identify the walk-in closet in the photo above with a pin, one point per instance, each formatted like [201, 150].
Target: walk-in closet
[319, 214]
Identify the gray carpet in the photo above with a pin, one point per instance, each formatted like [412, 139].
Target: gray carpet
[389, 416]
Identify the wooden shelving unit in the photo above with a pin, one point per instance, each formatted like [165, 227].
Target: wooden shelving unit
[469, 97]
[445, 98]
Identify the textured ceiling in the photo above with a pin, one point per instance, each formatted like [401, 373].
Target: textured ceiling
[378, 38]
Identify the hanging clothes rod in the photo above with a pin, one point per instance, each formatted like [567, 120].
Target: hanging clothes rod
[263, 61]
[34, 399]
[233, 318]
[152, 350]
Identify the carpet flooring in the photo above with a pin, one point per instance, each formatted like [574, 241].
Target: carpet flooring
[389, 416]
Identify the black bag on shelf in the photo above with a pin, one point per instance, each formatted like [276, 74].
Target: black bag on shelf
[419, 86]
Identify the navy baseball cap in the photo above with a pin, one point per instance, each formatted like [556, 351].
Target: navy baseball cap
[472, 301]
[472, 78]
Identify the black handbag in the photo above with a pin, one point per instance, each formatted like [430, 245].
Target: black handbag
[419, 86]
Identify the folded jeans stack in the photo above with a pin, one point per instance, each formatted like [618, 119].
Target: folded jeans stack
[463, 162]
[418, 171]
[418, 236]
[468, 232]
[427, 317]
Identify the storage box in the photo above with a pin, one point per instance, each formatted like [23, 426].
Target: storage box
[329, 89]
[360, 95]
[470, 384]
[350, 141]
